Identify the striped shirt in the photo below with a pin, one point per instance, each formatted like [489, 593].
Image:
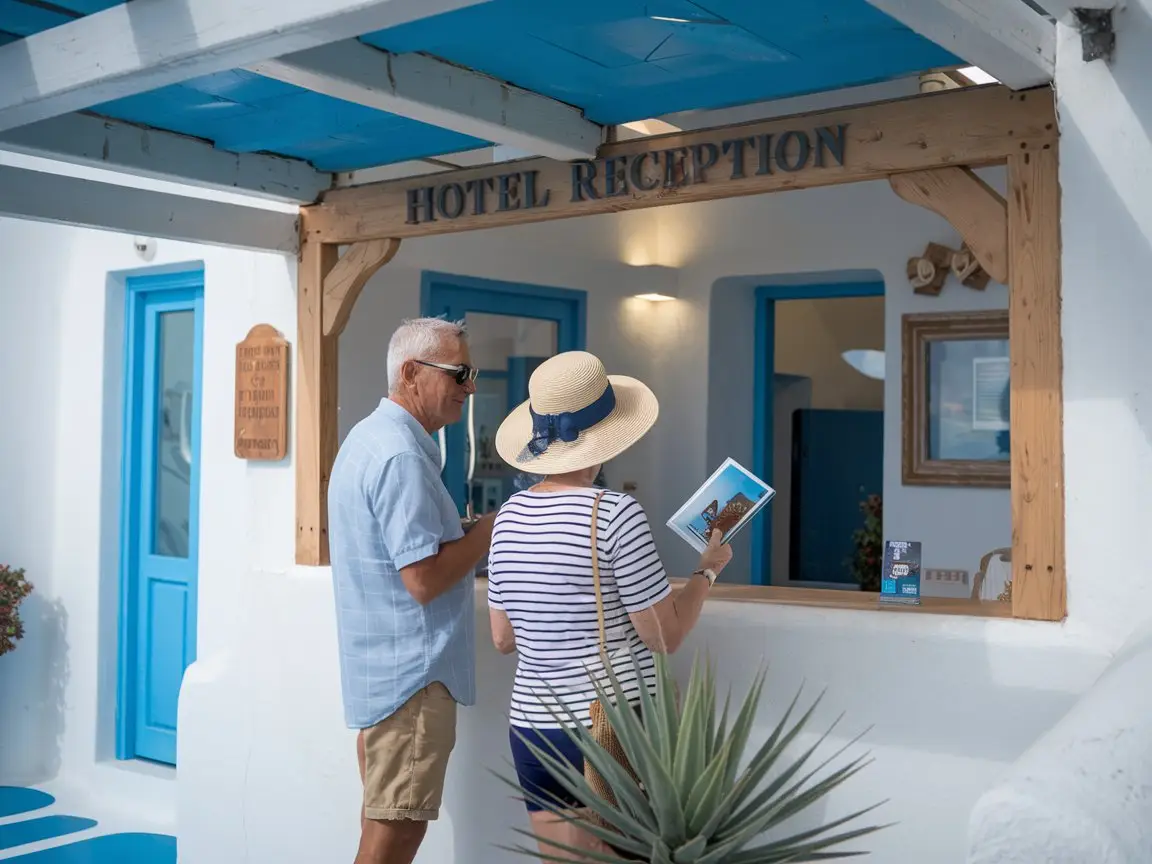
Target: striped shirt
[540, 575]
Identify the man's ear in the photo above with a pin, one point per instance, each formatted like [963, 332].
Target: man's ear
[408, 373]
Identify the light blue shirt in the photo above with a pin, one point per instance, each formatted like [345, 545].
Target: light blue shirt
[387, 509]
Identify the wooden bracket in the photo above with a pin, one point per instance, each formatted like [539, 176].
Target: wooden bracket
[327, 288]
[972, 207]
[343, 284]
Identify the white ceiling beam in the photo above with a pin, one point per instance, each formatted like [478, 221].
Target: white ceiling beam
[440, 94]
[1006, 38]
[85, 139]
[135, 47]
[44, 197]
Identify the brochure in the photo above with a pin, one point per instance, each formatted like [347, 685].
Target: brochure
[900, 578]
[727, 501]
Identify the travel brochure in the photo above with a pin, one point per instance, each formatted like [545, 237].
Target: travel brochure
[727, 501]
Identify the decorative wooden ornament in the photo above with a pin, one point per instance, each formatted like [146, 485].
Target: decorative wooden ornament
[968, 270]
[928, 272]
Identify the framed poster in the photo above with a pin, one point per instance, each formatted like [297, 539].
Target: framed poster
[956, 398]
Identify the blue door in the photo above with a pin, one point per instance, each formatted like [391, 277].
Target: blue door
[482, 304]
[161, 496]
[837, 462]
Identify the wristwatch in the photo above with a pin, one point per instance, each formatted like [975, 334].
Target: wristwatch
[708, 573]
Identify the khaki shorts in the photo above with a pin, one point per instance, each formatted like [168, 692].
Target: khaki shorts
[406, 757]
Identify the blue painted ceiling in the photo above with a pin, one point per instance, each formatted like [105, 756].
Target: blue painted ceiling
[618, 60]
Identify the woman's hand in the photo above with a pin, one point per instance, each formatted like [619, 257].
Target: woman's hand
[717, 555]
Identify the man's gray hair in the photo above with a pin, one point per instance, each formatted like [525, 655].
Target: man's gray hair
[420, 339]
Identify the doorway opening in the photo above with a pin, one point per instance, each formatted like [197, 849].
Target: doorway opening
[512, 328]
[819, 436]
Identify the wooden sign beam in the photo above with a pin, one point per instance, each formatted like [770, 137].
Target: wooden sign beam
[971, 127]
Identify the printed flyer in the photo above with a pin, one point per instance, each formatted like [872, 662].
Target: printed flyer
[900, 578]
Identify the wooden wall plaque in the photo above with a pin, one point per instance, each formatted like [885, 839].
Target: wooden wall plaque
[262, 395]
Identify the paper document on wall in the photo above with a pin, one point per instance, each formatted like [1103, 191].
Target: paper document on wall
[727, 501]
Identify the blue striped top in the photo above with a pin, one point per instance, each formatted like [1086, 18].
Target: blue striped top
[540, 574]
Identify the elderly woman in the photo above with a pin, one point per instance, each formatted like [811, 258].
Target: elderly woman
[540, 580]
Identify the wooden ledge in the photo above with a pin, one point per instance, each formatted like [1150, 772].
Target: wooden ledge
[854, 600]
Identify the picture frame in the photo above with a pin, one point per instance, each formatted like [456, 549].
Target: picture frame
[733, 496]
[956, 399]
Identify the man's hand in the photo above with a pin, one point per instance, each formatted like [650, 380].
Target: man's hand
[484, 524]
[428, 579]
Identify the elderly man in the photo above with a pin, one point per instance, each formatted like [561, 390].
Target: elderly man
[403, 567]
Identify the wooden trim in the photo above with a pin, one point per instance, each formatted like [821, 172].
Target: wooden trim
[967, 127]
[1038, 564]
[976, 210]
[918, 332]
[970, 126]
[316, 418]
[343, 284]
[853, 600]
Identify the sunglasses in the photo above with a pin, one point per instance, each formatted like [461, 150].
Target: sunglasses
[462, 373]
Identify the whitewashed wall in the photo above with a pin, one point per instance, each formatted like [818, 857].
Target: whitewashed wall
[61, 371]
[1076, 796]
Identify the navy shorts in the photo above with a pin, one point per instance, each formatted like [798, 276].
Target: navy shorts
[532, 774]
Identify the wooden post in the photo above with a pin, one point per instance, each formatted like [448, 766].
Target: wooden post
[316, 400]
[327, 288]
[1037, 409]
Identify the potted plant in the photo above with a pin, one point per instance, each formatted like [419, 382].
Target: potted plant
[13, 589]
[685, 801]
[868, 559]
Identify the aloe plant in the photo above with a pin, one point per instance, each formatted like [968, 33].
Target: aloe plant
[692, 804]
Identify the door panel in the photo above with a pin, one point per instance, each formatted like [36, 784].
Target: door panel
[838, 460]
[162, 510]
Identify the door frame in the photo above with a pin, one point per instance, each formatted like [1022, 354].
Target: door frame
[138, 291]
[498, 297]
[763, 421]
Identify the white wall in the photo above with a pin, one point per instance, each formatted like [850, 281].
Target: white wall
[61, 372]
[1106, 216]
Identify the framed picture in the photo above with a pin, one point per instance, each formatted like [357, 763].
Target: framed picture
[726, 502]
[956, 399]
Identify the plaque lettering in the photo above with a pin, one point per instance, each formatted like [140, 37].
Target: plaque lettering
[261, 424]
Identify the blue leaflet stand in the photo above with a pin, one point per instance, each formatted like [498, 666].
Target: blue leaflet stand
[900, 578]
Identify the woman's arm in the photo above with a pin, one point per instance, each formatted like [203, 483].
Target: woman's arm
[503, 636]
[665, 625]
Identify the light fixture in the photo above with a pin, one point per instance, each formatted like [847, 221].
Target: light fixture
[654, 297]
[977, 75]
[867, 362]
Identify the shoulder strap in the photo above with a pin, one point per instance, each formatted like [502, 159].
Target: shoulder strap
[596, 578]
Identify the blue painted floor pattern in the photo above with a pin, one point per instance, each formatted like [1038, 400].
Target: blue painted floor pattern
[119, 848]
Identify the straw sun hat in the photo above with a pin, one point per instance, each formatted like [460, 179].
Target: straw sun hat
[576, 416]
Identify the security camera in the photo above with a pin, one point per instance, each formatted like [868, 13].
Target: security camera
[145, 247]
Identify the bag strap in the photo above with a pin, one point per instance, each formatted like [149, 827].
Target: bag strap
[596, 579]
